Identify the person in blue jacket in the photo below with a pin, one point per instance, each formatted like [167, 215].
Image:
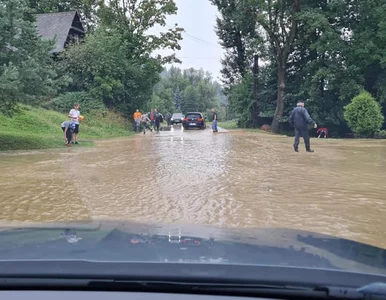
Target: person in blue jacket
[300, 119]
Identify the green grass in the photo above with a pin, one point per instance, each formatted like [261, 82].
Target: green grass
[225, 124]
[38, 128]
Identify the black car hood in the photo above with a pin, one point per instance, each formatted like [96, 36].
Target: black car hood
[133, 242]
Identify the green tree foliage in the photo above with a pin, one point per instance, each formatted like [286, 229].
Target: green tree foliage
[177, 99]
[134, 19]
[26, 74]
[64, 102]
[363, 115]
[194, 90]
[324, 52]
[103, 67]
[162, 98]
[236, 31]
[191, 99]
[115, 62]
[88, 9]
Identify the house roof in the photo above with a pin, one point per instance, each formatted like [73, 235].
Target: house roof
[56, 25]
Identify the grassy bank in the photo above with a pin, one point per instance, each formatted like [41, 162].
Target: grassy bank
[38, 128]
[225, 124]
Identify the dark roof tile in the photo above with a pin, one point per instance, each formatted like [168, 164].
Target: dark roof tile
[57, 25]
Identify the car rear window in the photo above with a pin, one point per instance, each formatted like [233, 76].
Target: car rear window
[193, 116]
[176, 115]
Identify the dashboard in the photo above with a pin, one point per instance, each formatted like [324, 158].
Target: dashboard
[84, 295]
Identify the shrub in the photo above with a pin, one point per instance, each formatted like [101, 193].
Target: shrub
[380, 134]
[63, 103]
[363, 115]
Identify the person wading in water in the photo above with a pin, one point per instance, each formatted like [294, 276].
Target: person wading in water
[300, 119]
[158, 119]
[214, 124]
[152, 118]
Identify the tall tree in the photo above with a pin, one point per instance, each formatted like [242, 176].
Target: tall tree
[26, 74]
[235, 28]
[194, 90]
[135, 18]
[122, 81]
[116, 63]
[177, 99]
[191, 98]
[278, 19]
[87, 9]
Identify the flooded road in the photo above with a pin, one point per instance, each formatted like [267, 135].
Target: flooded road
[234, 179]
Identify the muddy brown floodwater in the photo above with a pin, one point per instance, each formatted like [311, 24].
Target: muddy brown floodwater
[234, 179]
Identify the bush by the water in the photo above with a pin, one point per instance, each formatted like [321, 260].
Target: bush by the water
[38, 128]
[363, 115]
[380, 134]
[228, 124]
[63, 103]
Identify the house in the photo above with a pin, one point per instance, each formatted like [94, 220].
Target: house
[62, 26]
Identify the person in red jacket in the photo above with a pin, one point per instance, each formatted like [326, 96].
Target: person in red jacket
[323, 131]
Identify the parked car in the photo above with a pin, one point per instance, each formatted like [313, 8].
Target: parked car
[176, 118]
[194, 120]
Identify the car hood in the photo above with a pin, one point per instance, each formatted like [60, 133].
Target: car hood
[134, 242]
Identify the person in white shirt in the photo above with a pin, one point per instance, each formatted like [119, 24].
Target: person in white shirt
[74, 115]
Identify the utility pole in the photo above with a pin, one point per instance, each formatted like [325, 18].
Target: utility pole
[255, 104]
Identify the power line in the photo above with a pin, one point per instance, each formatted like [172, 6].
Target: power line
[203, 57]
[197, 38]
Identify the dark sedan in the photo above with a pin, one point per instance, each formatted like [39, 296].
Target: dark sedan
[194, 120]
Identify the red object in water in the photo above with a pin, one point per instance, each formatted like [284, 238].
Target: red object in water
[265, 127]
[320, 130]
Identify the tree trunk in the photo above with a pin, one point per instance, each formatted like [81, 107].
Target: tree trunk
[255, 104]
[281, 83]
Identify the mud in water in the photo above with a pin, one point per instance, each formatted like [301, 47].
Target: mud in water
[235, 179]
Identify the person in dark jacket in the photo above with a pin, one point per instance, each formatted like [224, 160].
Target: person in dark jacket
[300, 119]
[168, 118]
[158, 119]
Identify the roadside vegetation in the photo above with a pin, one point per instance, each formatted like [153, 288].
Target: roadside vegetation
[110, 73]
[37, 128]
[189, 90]
[327, 53]
[225, 124]
[364, 115]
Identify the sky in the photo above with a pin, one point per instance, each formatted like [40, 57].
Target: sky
[200, 48]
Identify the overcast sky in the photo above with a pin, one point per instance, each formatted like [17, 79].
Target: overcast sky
[200, 48]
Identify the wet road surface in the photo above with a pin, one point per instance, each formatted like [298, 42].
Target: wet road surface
[234, 179]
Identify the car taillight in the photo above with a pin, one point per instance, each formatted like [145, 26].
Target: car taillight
[200, 119]
[186, 119]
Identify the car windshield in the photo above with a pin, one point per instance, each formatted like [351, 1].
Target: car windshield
[215, 131]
